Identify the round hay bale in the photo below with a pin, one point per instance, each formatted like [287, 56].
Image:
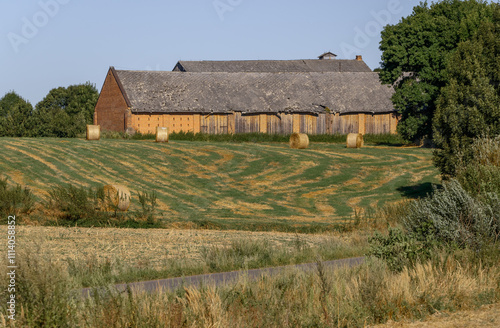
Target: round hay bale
[299, 141]
[118, 197]
[161, 134]
[93, 132]
[355, 140]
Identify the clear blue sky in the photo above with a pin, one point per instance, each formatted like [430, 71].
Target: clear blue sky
[50, 43]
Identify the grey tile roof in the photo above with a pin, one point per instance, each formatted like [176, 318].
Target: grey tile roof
[154, 91]
[273, 66]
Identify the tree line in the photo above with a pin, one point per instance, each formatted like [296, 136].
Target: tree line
[63, 113]
[444, 63]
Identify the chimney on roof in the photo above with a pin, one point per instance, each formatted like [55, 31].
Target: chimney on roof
[359, 58]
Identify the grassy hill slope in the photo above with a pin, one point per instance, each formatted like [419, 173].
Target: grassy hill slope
[228, 183]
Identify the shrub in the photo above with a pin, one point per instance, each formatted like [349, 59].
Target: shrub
[148, 201]
[114, 135]
[385, 139]
[78, 203]
[480, 180]
[378, 139]
[480, 174]
[140, 136]
[453, 217]
[15, 199]
[398, 249]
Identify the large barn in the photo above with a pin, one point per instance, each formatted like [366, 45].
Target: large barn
[323, 96]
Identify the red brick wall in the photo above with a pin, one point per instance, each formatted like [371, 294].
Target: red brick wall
[111, 107]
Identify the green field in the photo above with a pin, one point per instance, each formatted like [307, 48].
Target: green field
[238, 185]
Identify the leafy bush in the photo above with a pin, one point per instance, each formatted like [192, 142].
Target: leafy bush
[480, 174]
[92, 207]
[78, 203]
[480, 180]
[15, 199]
[398, 249]
[464, 214]
[453, 217]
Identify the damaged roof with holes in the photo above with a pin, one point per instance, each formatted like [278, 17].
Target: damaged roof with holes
[215, 92]
[274, 66]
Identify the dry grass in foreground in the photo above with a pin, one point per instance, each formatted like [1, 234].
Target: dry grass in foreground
[365, 295]
[106, 256]
[485, 316]
[151, 247]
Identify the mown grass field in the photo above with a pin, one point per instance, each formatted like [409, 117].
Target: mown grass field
[236, 185]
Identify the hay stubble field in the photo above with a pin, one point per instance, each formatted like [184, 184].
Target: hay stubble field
[151, 248]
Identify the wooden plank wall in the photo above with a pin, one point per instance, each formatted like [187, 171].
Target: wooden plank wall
[280, 123]
[277, 123]
[215, 124]
[247, 123]
[377, 124]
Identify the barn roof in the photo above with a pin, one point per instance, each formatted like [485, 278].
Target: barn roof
[327, 54]
[274, 66]
[154, 91]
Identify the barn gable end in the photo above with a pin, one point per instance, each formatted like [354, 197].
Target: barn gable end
[112, 111]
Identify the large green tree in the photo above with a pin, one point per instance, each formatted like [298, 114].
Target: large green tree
[416, 52]
[64, 112]
[469, 106]
[15, 116]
